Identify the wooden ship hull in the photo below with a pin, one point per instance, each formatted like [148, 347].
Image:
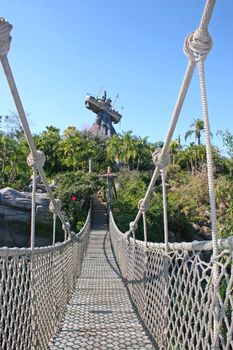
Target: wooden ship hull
[98, 105]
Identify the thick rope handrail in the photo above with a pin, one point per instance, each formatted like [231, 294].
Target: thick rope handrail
[223, 243]
[5, 29]
[6, 251]
[173, 291]
[197, 45]
[164, 151]
[33, 302]
[36, 158]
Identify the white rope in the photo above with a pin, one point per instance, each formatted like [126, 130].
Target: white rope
[164, 151]
[54, 228]
[36, 158]
[32, 305]
[213, 215]
[166, 259]
[165, 220]
[158, 160]
[5, 28]
[207, 14]
[143, 207]
[178, 310]
[33, 277]
[33, 210]
[53, 210]
[144, 227]
[197, 45]
[38, 161]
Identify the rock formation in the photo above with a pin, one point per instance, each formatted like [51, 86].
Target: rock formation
[15, 218]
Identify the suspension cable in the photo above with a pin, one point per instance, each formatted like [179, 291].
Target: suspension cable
[36, 158]
[197, 44]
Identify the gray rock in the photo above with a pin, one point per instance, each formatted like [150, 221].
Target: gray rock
[206, 232]
[196, 227]
[15, 218]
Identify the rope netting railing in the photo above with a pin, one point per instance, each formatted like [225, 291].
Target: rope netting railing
[174, 292]
[182, 291]
[32, 301]
[36, 283]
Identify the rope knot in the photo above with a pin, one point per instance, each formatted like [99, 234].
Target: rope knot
[54, 207]
[133, 226]
[5, 38]
[198, 44]
[143, 206]
[66, 227]
[73, 235]
[38, 161]
[160, 161]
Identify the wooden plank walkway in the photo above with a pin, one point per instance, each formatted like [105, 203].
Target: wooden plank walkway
[100, 314]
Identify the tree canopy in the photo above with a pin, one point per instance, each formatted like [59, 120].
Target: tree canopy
[68, 154]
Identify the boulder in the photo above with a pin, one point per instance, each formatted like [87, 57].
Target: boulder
[206, 232]
[196, 227]
[15, 218]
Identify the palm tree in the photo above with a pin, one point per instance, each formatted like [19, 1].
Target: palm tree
[144, 152]
[76, 149]
[128, 148]
[174, 149]
[113, 148]
[197, 127]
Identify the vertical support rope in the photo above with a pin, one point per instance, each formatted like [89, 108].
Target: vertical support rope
[54, 228]
[196, 45]
[166, 262]
[213, 214]
[32, 285]
[144, 228]
[33, 210]
[165, 221]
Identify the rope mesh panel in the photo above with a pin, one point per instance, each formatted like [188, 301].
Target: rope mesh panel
[15, 303]
[173, 293]
[31, 309]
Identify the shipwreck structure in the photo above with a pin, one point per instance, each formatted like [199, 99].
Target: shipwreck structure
[106, 115]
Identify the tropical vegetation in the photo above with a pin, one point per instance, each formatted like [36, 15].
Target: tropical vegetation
[130, 158]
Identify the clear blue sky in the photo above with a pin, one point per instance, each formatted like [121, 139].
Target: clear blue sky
[62, 50]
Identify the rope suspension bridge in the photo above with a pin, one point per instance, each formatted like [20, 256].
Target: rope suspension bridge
[101, 288]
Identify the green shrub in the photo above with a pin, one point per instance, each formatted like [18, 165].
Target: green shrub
[75, 189]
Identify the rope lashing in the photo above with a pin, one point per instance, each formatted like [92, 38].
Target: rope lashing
[5, 38]
[198, 44]
[66, 227]
[54, 207]
[38, 161]
[143, 205]
[160, 160]
[133, 226]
